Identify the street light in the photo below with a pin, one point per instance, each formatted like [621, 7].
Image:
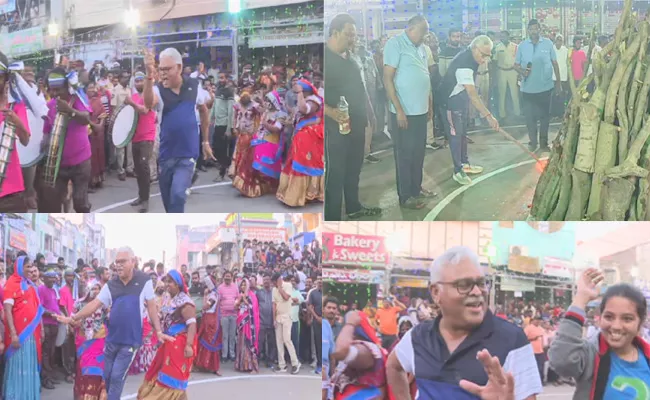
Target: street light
[53, 29]
[132, 18]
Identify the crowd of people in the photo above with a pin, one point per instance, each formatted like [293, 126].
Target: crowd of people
[263, 130]
[436, 346]
[431, 93]
[80, 325]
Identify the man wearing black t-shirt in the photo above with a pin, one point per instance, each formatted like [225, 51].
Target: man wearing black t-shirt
[455, 93]
[344, 153]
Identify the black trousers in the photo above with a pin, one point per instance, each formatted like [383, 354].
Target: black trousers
[222, 149]
[304, 353]
[537, 108]
[318, 333]
[343, 160]
[409, 147]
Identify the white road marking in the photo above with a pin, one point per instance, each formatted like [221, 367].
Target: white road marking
[433, 214]
[476, 131]
[234, 378]
[125, 202]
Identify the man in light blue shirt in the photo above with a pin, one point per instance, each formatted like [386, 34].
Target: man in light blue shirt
[408, 88]
[535, 62]
[328, 348]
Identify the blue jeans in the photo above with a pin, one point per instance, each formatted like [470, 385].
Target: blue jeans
[175, 177]
[117, 361]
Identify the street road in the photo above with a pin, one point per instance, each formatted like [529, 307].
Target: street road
[267, 385]
[207, 196]
[503, 192]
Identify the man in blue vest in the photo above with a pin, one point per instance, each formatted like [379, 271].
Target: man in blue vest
[467, 352]
[126, 295]
[179, 147]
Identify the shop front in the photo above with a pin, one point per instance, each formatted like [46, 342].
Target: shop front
[412, 275]
[354, 267]
[540, 279]
[351, 286]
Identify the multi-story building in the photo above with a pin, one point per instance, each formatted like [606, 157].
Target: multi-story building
[228, 32]
[190, 244]
[55, 236]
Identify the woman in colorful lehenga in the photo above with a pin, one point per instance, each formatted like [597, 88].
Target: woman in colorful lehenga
[169, 373]
[302, 177]
[208, 357]
[248, 329]
[23, 314]
[146, 352]
[261, 166]
[349, 380]
[90, 338]
[246, 124]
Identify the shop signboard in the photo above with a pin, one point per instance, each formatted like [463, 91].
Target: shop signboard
[7, 6]
[517, 285]
[22, 42]
[17, 240]
[353, 276]
[557, 267]
[275, 235]
[350, 249]
[525, 264]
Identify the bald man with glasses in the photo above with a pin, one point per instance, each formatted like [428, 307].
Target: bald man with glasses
[466, 352]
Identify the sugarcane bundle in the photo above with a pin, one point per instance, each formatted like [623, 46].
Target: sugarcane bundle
[599, 163]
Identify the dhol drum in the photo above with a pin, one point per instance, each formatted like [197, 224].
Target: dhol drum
[31, 154]
[125, 120]
[7, 143]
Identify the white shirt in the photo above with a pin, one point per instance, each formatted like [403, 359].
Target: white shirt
[464, 76]
[248, 256]
[302, 277]
[562, 57]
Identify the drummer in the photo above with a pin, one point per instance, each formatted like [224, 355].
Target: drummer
[179, 148]
[143, 139]
[12, 190]
[75, 162]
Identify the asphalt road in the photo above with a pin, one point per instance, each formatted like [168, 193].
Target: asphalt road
[503, 193]
[206, 196]
[267, 385]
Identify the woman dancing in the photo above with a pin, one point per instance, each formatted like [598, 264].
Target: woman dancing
[248, 329]
[23, 314]
[263, 163]
[302, 177]
[210, 335]
[247, 121]
[169, 373]
[90, 338]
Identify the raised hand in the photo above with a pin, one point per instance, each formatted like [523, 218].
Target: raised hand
[150, 62]
[500, 385]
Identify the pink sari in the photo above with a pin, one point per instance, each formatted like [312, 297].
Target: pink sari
[248, 321]
[248, 332]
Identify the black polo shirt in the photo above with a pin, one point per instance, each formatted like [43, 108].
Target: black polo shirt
[424, 353]
[342, 77]
[461, 71]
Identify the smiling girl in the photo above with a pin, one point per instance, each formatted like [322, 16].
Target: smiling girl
[614, 364]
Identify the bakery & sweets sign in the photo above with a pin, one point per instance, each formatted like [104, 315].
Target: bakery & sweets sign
[348, 249]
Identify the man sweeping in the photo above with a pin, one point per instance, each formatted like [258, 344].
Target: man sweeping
[455, 93]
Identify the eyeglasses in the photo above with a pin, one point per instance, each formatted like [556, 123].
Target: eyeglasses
[465, 286]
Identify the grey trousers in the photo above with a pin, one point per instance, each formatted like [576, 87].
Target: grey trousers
[120, 159]
[229, 329]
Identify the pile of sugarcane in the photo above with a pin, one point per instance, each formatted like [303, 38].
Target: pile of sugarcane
[600, 161]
